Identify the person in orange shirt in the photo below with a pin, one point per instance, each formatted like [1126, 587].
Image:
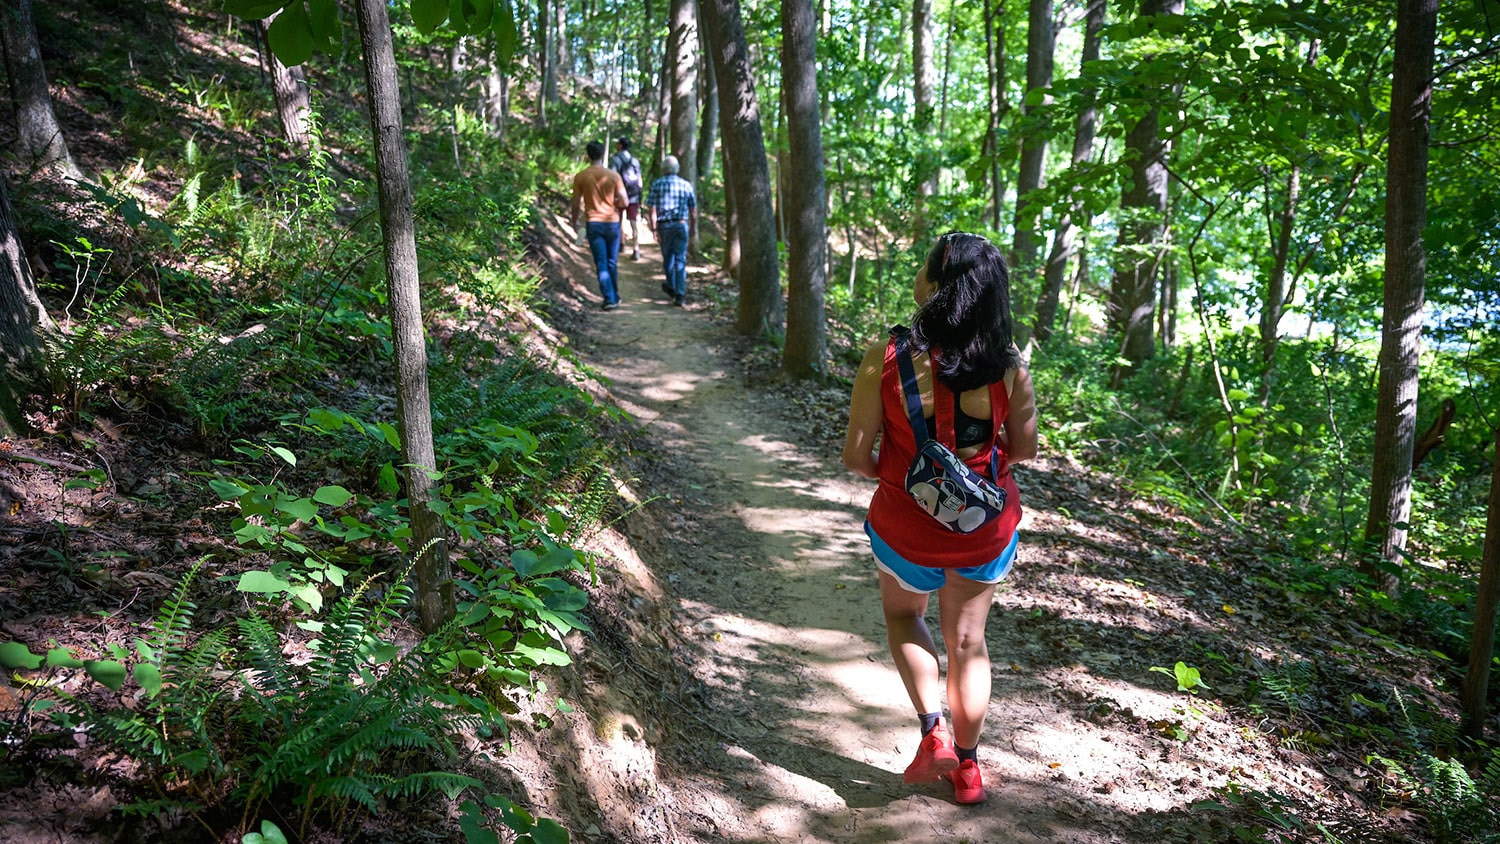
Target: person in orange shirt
[599, 193]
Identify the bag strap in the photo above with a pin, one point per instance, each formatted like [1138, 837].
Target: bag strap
[909, 388]
[914, 403]
[942, 411]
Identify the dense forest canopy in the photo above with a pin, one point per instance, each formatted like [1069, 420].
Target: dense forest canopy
[1255, 254]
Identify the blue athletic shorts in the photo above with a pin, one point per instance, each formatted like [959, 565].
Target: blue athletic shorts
[926, 579]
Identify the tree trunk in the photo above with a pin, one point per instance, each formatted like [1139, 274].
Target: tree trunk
[806, 200]
[994, 39]
[1486, 601]
[289, 86]
[682, 60]
[562, 61]
[922, 84]
[24, 322]
[708, 127]
[760, 310]
[434, 580]
[1040, 44]
[37, 128]
[1405, 280]
[1276, 286]
[731, 264]
[1063, 241]
[497, 98]
[546, 46]
[1132, 292]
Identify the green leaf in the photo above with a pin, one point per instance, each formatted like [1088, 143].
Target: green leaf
[269, 833]
[291, 39]
[62, 658]
[226, 489]
[262, 582]
[428, 15]
[311, 596]
[471, 822]
[17, 655]
[149, 677]
[524, 561]
[284, 454]
[304, 509]
[392, 437]
[253, 10]
[333, 496]
[548, 831]
[327, 31]
[471, 658]
[1236, 394]
[387, 480]
[475, 15]
[106, 671]
[506, 36]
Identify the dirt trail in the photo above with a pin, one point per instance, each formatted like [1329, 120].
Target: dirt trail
[806, 727]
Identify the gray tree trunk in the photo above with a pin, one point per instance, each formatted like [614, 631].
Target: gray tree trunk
[708, 127]
[1405, 286]
[1064, 246]
[1041, 42]
[1486, 602]
[37, 129]
[760, 310]
[923, 74]
[434, 578]
[682, 60]
[24, 322]
[289, 86]
[994, 39]
[806, 199]
[1130, 309]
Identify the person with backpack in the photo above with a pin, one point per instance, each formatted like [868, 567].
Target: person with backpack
[955, 378]
[629, 168]
[600, 195]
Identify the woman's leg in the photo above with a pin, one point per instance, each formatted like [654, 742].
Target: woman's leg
[911, 644]
[963, 607]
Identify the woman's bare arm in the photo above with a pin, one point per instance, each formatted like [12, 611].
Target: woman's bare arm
[865, 415]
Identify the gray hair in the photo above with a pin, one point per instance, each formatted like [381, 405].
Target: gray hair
[670, 166]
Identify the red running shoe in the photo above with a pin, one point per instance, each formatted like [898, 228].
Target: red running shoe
[935, 757]
[967, 785]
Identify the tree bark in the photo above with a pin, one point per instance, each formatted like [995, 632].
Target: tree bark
[1405, 282]
[434, 579]
[760, 309]
[289, 86]
[1130, 309]
[1275, 294]
[37, 129]
[1486, 602]
[922, 84]
[1063, 241]
[708, 126]
[1040, 45]
[682, 60]
[806, 195]
[994, 39]
[24, 322]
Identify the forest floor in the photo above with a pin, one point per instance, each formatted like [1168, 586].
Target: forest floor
[784, 718]
[737, 686]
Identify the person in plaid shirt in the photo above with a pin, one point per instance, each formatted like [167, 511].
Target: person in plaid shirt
[672, 215]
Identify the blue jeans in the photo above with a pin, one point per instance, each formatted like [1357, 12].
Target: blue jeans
[604, 242]
[674, 244]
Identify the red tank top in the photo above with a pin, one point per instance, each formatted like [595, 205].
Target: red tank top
[899, 520]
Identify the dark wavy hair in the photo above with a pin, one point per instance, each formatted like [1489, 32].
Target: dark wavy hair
[968, 317]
